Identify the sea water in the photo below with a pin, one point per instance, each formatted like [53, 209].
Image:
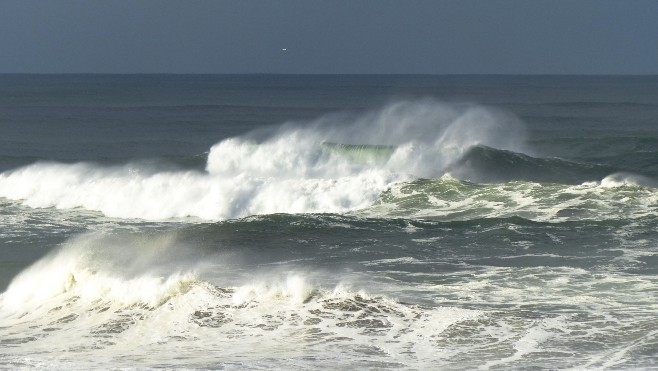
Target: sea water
[341, 222]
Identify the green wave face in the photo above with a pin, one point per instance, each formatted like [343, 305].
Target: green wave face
[361, 154]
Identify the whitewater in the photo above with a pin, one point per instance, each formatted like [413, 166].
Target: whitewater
[205, 222]
[293, 171]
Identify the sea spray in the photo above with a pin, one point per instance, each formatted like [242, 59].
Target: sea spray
[129, 297]
[507, 258]
[291, 171]
[295, 288]
[129, 269]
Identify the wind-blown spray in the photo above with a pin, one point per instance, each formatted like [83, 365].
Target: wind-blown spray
[294, 170]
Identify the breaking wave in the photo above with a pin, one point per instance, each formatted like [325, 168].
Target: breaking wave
[299, 168]
[335, 164]
[127, 294]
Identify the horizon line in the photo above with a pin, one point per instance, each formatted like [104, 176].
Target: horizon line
[330, 74]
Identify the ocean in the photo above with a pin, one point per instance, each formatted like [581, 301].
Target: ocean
[328, 222]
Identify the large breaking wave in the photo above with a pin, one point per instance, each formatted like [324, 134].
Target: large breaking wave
[100, 296]
[334, 164]
[292, 169]
[107, 300]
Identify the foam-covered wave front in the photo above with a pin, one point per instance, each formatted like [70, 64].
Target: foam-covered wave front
[126, 296]
[618, 196]
[334, 164]
[128, 270]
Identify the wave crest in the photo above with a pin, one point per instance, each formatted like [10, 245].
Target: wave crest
[123, 269]
[292, 171]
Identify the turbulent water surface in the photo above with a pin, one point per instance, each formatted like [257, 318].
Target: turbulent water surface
[313, 222]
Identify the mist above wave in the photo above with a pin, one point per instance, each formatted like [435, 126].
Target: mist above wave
[127, 269]
[289, 170]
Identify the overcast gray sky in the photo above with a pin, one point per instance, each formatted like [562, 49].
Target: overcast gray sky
[333, 36]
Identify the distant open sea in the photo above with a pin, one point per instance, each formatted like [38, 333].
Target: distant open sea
[328, 222]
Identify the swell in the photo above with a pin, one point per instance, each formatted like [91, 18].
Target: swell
[485, 164]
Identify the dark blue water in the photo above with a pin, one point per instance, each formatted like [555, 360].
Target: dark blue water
[411, 222]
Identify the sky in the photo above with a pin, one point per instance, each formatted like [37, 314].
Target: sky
[330, 37]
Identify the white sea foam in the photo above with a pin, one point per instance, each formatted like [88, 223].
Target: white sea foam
[95, 303]
[132, 301]
[294, 287]
[289, 172]
[627, 179]
[127, 270]
[452, 199]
